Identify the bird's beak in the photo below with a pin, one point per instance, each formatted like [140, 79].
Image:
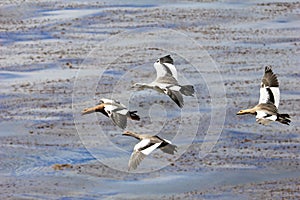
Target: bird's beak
[125, 133]
[89, 110]
[240, 112]
[138, 86]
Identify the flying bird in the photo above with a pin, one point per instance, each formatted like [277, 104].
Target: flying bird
[114, 110]
[146, 145]
[166, 81]
[266, 110]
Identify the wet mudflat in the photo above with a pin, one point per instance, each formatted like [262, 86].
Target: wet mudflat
[46, 47]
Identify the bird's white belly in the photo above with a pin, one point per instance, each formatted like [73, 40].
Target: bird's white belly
[263, 115]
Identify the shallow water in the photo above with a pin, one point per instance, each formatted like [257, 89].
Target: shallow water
[42, 55]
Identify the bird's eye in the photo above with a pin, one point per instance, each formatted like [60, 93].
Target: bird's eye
[157, 61]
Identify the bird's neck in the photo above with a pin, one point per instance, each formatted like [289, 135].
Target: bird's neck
[133, 134]
[249, 111]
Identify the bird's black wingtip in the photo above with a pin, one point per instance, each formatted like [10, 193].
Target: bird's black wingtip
[166, 59]
[268, 69]
[134, 116]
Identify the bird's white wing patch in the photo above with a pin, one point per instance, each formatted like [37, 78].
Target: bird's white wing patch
[151, 148]
[265, 96]
[272, 117]
[173, 70]
[160, 70]
[121, 111]
[168, 141]
[111, 101]
[143, 143]
[175, 88]
[109, 109]
[260, 114]
[165, 69]
[276, 93]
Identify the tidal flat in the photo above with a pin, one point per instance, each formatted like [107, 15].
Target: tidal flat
[59, 56]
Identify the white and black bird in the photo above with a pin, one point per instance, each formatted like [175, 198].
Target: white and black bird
[266, 110]
[114, 110]
[146, 145]
[167, 81]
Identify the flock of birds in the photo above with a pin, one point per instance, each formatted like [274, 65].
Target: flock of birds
[166, 82]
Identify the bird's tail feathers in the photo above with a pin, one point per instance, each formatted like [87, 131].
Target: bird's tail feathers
[169, 148]
[283, 118]
[134, 116]
[187, 90]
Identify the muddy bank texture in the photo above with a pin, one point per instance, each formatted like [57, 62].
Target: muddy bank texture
[44, 44]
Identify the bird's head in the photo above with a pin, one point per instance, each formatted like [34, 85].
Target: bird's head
[138, 86]
[166, 59]
[127, 133]
[242, 112]
[92, 109]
